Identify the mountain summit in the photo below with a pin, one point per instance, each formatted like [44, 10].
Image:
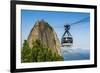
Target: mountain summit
[45, 33]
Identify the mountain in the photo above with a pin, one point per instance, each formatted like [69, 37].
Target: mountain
[45, 33]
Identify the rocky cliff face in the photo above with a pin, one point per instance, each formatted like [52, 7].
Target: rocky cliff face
[46, 34]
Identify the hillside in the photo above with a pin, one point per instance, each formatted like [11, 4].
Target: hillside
[45, 33]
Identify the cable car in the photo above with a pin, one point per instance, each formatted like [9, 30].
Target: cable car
[67, 41]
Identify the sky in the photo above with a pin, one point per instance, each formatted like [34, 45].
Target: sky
[80, 32]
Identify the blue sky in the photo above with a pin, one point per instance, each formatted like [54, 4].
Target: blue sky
[80, 32]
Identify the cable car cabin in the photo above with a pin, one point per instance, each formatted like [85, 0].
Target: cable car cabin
[67, 41]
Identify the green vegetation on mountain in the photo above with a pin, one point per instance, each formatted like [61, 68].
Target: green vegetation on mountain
[38, 53]
[26, 52]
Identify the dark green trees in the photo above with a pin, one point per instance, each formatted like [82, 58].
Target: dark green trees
[26, 53]
[38, 53]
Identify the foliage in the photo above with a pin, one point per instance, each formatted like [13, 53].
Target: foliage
[38, 53]
[26, 52]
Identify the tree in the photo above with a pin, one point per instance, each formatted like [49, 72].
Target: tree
[41, 53]
[38, 53]
[26, 52]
